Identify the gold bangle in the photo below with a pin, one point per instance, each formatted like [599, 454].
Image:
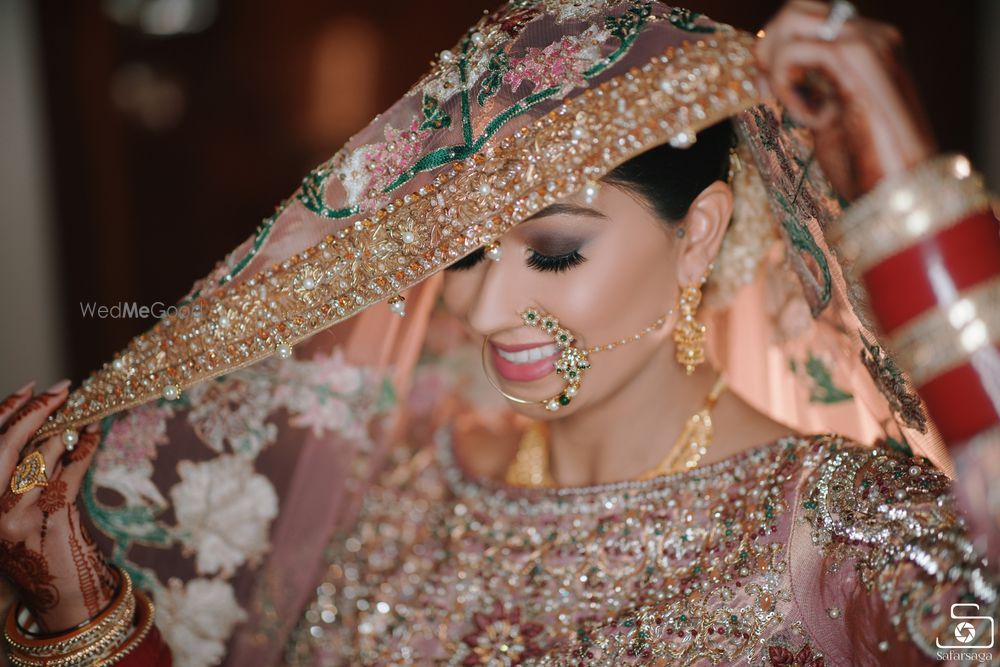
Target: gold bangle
[85, 656]
[94, 640]
[106, 644]
[906, 208]
[145, 618]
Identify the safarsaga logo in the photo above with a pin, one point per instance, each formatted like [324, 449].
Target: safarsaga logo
[132, 310]
[971, 634]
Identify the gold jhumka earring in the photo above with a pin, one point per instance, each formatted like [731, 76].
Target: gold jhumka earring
[689, 333]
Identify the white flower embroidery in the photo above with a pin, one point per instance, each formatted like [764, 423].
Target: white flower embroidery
[326, 394]
[567, 10]
[125, 462]
[197, 619]
[235, 410]
[223, 511]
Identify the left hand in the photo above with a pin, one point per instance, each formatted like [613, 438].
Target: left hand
[853, 92]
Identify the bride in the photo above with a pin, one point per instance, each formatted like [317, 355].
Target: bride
[630, 400]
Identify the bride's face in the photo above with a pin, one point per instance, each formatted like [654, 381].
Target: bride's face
[606, 270]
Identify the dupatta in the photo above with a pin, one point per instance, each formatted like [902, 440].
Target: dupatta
[240, 431]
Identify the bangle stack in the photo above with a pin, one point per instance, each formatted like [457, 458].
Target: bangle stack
[103, 640]
[926, 245]
[906, 208]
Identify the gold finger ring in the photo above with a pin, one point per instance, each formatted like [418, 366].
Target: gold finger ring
[29, 473]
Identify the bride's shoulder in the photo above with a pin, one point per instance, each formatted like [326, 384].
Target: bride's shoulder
[873, 503]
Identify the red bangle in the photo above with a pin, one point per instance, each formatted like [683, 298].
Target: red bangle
[933, 271]
[938, 301]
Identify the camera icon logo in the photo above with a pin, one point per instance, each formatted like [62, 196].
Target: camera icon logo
[966, 631]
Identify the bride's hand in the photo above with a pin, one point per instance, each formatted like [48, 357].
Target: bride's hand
[58, 572]
[852, 91]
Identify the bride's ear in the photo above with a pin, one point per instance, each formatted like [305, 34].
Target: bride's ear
[705, 225]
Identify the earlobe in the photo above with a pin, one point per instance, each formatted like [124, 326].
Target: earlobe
[706, 224]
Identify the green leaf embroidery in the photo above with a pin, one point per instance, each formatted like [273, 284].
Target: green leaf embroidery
[823, 389]
[685, 19]
[628, 26]
[434, 116]
[311, 195]
[492, 81]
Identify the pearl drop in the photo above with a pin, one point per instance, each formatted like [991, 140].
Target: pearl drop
[398, 305]
[70, 438]
[494, 251]
[571, 391]
[407, 237]
[590, 193]
[476, 38]
[118, 365]
[552, 405]
[447, 56]
[171, 392]
[285, 351]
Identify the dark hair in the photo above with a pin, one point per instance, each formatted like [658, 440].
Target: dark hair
[670, 178]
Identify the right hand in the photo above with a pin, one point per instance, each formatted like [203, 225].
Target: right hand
[54, 565]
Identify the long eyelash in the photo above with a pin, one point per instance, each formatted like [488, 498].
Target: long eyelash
[555, 262]
[468, 261]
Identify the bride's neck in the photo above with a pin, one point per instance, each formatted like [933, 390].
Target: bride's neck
[633, 429]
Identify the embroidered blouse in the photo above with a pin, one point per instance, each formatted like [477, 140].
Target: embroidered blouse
[809, 551]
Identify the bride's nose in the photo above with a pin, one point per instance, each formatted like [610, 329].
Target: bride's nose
[499, 296]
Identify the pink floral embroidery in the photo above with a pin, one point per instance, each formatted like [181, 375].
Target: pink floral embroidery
[133, 438]
[368, 170]
[325, 393]
[560, 64]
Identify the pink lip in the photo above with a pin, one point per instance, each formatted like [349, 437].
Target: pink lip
[521, 372]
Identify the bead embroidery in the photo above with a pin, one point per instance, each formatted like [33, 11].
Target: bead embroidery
[538, 164]
[678, 569]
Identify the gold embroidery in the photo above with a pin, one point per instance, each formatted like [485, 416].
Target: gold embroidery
[669, 98]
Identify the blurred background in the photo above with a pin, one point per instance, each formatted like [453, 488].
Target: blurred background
[140, 140]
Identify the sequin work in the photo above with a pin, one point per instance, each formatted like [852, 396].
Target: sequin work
[701, 567]
[407, 218]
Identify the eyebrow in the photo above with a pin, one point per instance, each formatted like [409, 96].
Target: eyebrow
[568, 209]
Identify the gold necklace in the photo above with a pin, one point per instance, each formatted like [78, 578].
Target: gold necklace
[530, 466]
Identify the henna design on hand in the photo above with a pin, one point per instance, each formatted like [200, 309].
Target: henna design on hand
[8, 403]
[89, 585]
[86, 444]
[9, 501]
[37, 403]
[53, 497]
[29, 571]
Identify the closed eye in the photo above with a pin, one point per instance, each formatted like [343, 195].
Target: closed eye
[468, 261]
[536, 260]
[556, 263]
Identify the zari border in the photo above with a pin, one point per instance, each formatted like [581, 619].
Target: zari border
[475, 200]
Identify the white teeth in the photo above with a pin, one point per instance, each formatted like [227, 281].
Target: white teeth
[530, 355]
